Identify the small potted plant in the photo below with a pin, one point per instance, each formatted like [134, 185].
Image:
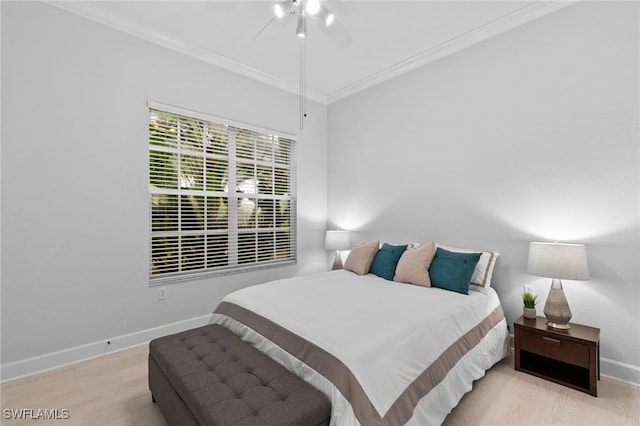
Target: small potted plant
[529, 300]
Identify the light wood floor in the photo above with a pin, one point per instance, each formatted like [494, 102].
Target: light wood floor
[112, 390]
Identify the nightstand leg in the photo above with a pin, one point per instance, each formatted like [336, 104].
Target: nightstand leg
[598, 350]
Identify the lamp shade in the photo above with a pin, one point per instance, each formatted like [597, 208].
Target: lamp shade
[337, 240]
[555, 260]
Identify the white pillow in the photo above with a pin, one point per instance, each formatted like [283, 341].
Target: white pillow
[484, 269]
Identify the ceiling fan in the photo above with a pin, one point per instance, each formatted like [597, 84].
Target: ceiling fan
[285, 10]
[306, 10]
[303, 9]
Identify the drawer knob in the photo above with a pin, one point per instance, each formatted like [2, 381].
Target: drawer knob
[550, 340]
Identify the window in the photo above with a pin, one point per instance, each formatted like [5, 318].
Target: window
[222, 196]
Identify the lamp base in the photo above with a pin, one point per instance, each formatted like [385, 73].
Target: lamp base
[556, 309]
[337, 262]
[558, 326]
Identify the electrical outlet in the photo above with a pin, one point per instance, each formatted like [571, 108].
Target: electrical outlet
[162, 293]
[528, 288]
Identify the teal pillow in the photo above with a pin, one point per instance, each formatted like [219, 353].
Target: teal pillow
[384, 264]
[453, 270]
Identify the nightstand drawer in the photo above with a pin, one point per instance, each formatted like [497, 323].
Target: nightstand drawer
[555, 347]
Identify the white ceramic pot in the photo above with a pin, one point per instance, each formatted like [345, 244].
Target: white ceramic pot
[529, 312]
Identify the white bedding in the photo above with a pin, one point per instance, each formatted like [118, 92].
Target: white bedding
[377, 348]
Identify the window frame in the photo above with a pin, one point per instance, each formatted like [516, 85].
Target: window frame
[233, 229]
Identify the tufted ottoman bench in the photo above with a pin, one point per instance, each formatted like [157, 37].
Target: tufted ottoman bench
[209, 376]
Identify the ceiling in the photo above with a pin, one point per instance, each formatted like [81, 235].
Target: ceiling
[370, 42]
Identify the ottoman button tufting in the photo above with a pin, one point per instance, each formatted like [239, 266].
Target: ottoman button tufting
[203, 393]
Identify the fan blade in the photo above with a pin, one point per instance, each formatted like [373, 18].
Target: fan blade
[264, 28]
[274, 19]
[337, 34]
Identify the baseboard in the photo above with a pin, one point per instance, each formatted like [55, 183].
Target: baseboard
[41, 363]
[610, 369]
[620, 372]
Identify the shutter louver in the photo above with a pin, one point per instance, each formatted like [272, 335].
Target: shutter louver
[191, 167]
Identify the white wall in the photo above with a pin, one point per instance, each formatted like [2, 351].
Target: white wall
[75, 217]
[532, 135]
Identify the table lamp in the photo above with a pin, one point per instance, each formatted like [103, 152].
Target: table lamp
[337, 240]
[558, 261]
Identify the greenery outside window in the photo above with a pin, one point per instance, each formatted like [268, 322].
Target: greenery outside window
[222, 196]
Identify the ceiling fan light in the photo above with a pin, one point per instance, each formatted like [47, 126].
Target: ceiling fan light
[301, 29]
[312, 6]
[282, 7]
[330, 18]
[279, 11]
[326, 16]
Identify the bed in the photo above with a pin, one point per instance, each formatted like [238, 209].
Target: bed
[385, 353]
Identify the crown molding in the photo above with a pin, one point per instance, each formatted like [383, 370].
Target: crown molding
[90, 11]
[498, 26]
[491, 29]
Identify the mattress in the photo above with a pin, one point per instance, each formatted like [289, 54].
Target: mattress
[385, 353]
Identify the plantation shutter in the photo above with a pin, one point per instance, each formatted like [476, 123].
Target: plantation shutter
[222, 196]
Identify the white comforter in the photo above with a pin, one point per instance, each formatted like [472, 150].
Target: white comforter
[386, 333]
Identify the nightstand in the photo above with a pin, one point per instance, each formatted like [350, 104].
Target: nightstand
[568, 357]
